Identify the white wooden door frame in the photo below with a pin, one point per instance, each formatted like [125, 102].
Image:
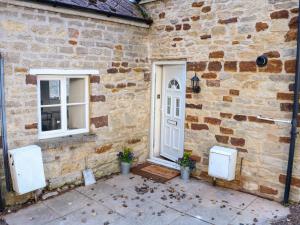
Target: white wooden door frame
[154, 129]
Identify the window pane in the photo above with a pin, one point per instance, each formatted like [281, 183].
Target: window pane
[75, 90]
[169, 105]
[51, 118]
[50, 92]
[76, 117]
[177, 106]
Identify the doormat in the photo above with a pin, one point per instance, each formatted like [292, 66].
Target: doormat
[154, 172]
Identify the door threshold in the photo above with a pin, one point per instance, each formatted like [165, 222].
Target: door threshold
[164, 162]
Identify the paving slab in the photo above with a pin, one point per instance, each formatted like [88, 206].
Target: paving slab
[68, 202]
[37, 214]
[133, 200]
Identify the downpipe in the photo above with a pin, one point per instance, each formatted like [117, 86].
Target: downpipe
[293, 138]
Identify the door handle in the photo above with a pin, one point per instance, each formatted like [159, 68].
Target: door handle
[172, 122]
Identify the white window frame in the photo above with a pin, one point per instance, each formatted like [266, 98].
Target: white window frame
[63, 94]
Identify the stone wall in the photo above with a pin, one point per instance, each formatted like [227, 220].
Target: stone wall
[220, 41]
[35, 38]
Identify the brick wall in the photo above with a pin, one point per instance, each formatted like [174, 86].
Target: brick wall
[35, 38]
[221, 40]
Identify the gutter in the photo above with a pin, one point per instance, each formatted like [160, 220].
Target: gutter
[3, 131]
[293, 138]
[55, 3]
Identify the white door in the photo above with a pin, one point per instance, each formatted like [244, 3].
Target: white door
[173, 112]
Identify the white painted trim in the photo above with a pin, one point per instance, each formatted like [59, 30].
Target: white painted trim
[74, 12]
[164, 162]
[64, 130]
[62, 72]
[153, 98]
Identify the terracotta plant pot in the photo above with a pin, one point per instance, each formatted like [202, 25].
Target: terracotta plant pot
[185, 173]
[125, 168]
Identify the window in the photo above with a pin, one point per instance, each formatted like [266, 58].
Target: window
[173, 84]
[63, 106]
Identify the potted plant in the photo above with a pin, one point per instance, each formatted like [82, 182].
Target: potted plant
[125, 157]
[186, 165]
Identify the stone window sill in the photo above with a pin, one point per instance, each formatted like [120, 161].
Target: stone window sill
[66, 141]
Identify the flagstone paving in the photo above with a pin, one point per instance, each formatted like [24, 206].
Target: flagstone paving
[129, 200]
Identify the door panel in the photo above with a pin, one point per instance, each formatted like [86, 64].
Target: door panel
[173, 112]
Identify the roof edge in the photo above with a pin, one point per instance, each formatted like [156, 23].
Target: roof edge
[55, 3]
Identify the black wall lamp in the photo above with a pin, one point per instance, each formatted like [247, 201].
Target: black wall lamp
[195, 84]
[262, 61]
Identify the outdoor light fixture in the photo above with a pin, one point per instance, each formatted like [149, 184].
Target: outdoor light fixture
[262, 60]
[195, 84]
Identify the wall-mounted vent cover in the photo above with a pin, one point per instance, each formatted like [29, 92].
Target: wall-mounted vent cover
[222, 163]
[27, 171]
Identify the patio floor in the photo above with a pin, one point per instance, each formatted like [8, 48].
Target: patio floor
[129, 200]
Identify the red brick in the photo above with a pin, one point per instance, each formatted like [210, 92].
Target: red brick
[295, 10]
[195, 126]
[227, 98]
[261, 26]
[222, 139]
[285, 96]
[290, 66]
[226, 115]
[272, 54]
[234, 92]
[124, 64]
[196, 158]
[215, 66]
[205, 36]
[112, 70]
[196, 66]
[133, 141]
[227, 21]
[256, 120]
[237, 141]
[131, 84]
[185, 19]
[169, 28]
[206, 9]
[230, 66]
[293, 23]
[162, 15]
[115, 64]
[273, 66]
[213, 121]
[240, 117]
[97, 98]
[285, 140]
[295, 181]
[101, 121]
[30, 79]
[195, 18]
[178, 26]
[225, 130]
[209, 76]
[104, 148]
[186, 26]
[213, 83]
[95, 79]
[197, 4]
[267, 190]
[190, 118]
[282, 14]
[247, 66]
[216, 54]
[121, 85]
[177, 39]
[194, 106]
[31, 126]
[286, 107]
[291, 35]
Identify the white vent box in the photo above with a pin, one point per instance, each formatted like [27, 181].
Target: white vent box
[26, 167]
[222, 163]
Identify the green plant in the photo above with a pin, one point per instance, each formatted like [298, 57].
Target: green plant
[186, 161]
[126, 155]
